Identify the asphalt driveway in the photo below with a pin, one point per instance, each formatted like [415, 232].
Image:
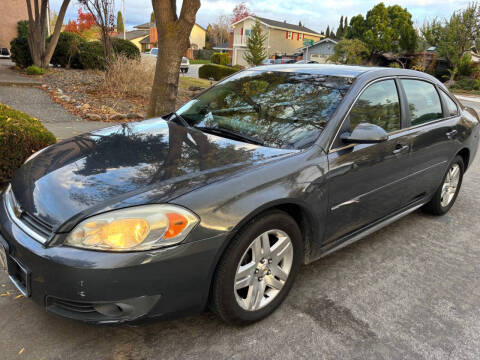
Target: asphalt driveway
[409, 291]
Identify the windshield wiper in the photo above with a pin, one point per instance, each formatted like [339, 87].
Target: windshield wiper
[230, 134]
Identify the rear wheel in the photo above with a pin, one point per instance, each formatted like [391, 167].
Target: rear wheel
[447, 193]
[258, 269]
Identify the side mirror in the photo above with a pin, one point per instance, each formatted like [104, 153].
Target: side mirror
[365, 133]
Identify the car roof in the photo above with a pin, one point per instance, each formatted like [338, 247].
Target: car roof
[350, 71]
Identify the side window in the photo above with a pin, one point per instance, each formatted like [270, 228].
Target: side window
[423, 101]
[452, 109]
[378, 105]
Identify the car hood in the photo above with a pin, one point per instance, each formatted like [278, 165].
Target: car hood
[131, 164]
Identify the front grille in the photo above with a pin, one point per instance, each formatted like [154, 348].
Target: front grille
[36, 224]
[37, 229]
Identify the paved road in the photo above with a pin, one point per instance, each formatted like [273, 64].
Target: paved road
[409, 291]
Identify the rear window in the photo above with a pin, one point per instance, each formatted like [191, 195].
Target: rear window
[423, 101]
[452, 108]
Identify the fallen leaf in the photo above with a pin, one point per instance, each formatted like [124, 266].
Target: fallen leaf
[21, 351]
[18, 296]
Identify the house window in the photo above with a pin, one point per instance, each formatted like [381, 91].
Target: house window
[247, 33]
[289, 35]
[300, 37]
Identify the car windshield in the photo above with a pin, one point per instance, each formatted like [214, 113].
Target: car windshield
[279, 109]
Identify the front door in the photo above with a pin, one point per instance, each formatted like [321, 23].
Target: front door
[369, 181]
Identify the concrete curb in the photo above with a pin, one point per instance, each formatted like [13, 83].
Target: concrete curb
[20, 83]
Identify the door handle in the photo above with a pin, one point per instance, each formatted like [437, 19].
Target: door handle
[451, 134]
[400, 148]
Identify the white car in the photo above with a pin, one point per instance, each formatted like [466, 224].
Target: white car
[185, 64]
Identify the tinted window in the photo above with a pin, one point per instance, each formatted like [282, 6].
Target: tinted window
[452, 108]
[378, 105]
[282, 109]
[423, 101]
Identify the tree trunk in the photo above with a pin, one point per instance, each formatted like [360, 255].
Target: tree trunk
[37, 22]
[173, 42]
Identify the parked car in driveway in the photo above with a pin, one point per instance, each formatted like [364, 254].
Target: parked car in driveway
[184, 65]
[4, 53]
[219, 203]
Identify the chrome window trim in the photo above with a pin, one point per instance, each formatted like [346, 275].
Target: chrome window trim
[7, 197]
[331, 151]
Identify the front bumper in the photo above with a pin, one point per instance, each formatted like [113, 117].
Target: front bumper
[103, 287]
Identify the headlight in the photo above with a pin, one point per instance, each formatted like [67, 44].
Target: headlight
[134, 229]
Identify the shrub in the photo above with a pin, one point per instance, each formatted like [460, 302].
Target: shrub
[217, 72]
[238, 67]
[125, 48]
[466, 84]
[66, 53]
[129, 77]
[202, 54]
[91, 55]
[20, 52]
[465, 66]
[220, 58]
[394, 65]
[20, 137]
[35, 70]
[22, 28]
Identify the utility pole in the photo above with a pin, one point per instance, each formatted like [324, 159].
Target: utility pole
[124, 21]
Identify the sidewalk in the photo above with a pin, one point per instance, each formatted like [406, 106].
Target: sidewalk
[23, 94]
[8, 77]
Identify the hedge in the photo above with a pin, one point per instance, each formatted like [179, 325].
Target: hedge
[202, 54]
[217, 72]
[125, 48]
[66, 53]
[20, 52]
[91, 55]
[20, 136]
[220, 58]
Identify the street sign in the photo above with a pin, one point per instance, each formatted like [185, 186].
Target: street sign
[307, 42]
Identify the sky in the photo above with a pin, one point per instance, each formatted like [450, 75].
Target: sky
[314, 14]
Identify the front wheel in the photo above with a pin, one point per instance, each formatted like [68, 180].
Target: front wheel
[447, 193]
[257, 270]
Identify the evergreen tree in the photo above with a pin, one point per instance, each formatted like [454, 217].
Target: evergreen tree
[300, 24]
[340, 28]
[332, 34]
[327, 33]
[255, 46]
[120, 25]
[345, 26]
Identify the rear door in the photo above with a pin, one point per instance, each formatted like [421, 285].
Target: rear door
[369, 181]
[433, 119]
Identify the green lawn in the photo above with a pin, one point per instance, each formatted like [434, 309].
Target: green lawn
[185, 82]
[200, 62]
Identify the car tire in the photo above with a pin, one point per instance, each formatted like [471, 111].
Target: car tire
[443, 200]
[240, 306]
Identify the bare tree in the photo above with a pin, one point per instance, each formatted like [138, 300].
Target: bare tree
[173, 41]
[219, 30]
[37, 27]
[104, 13]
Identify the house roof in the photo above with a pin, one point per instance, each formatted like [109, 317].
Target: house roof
[148, 24]
[281, 25]
[134, 34]
[145, 40]
[320, 42]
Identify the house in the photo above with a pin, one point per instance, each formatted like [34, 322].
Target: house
[197, 37]
[135, 36]
[319, 51]
[17, 11]
[282, 38]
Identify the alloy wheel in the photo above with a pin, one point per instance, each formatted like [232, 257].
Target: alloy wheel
[450, 185]
[263, 270]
